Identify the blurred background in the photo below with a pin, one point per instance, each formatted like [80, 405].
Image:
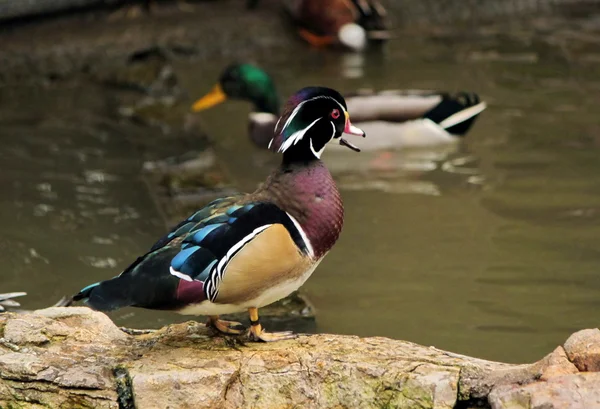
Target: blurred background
[486, 247]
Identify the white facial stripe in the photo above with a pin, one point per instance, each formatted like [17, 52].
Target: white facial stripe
[272, 139]
[296, 136]
[294, 112]
[297, 109]
[309, 246]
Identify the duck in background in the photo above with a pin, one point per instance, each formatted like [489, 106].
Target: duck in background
[7, 301]
[397, 119]
[243, 252]
[350, 23]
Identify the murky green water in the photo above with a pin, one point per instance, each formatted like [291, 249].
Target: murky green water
[487, 249]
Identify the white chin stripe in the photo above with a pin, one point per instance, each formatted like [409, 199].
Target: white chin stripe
[180, 275]
[309, 246]
[316, 153]
[319, 153]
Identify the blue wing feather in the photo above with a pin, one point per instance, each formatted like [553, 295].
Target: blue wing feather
[194, 248]
[219, 233]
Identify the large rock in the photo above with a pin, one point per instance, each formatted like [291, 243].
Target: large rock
[76, 357]
[580, 391]
[583, 349]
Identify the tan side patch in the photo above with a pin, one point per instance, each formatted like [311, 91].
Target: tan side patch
[268, 260]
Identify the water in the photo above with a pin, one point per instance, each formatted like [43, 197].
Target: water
[487, 248]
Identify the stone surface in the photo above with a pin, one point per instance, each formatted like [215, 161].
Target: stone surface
[557, 364]
[76, 357]
[581, 391]
[583, 349]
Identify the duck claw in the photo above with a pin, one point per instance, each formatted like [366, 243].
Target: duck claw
[264, 336]
[226, 327]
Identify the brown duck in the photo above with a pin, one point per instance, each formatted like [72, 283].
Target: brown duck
[350, 23]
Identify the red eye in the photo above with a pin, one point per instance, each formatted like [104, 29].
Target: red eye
[335, 114]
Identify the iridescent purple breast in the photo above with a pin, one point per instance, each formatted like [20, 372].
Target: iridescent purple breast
[309, 194]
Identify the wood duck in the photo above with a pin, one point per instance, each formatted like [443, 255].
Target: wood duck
[244, 252]
[350, 23]
[398, 118]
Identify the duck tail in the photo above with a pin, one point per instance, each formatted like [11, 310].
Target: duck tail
[84, 293]
[456, 113]
[103, 296]
[373, 17]
[147, 283]
[110, 294]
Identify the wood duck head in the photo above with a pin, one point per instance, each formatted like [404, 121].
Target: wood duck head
[310, 119]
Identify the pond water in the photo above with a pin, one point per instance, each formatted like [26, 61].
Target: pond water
[486, 248]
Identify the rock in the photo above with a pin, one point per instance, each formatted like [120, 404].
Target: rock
[75, 357]
[80, 324]
[557, 364]
[580, 391]
[57, 350]
[77, 351]
[583, 349]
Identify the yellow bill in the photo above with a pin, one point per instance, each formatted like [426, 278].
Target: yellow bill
[214, 97]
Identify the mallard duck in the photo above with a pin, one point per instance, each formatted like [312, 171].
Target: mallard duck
[351, 23]
[243, 252]
[397, 118]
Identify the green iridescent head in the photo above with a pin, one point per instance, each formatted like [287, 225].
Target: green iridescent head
[243, 81]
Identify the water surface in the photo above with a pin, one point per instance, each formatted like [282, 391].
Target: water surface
[486, 248]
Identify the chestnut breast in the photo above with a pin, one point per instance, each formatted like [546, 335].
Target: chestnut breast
[310, 195]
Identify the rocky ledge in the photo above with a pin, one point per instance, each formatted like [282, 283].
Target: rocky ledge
[75, 357]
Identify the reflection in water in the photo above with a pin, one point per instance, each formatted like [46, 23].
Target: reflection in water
[487, 247]
[480, 247]
[72, 206]
[352, 64]
[398, 171]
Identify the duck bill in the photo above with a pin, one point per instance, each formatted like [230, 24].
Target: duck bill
[214, 97]
[351, 130]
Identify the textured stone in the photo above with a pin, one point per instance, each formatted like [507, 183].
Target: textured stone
[76, 357]
[557, 364]
[583, 349]
[581, 391]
